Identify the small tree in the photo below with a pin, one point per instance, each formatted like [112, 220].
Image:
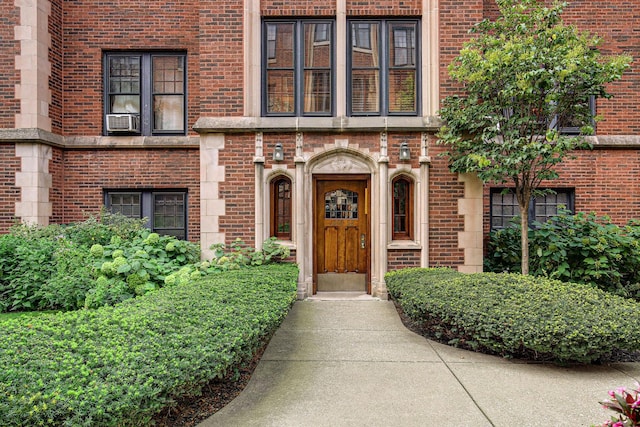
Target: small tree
[527, 76]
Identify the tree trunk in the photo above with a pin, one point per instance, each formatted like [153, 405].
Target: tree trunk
[524, 236]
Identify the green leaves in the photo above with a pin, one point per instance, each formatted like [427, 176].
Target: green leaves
[518, 316]
[526, 77]
[580, 248]
[239, 255]
[121, 365]
[90, 264]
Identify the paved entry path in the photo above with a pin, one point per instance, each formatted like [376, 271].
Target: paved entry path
[353, 363]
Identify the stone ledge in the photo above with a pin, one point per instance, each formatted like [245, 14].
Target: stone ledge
[207, 125]
[614, 141]
[397, 245]
[31, 135]
[129, 141]
[315, 124]
[132, 142]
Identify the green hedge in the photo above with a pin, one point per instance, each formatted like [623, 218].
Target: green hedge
[582, 248]
[518, 316]
[121, 365]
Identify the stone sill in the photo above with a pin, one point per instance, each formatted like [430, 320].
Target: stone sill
[403, 245]
[35, 135]
[263, 124]
[130, 141]
[315, 124]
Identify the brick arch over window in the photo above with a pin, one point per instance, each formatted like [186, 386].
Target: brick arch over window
[402, 188]
[281, 207]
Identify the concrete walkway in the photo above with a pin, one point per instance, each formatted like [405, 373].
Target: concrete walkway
[353, 363]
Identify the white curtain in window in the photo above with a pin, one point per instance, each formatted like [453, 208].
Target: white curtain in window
[168, 112]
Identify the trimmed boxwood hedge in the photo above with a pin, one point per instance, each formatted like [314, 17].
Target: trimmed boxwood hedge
[121, 365]
[518, 316]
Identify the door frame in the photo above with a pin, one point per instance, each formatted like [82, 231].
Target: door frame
[314, 221]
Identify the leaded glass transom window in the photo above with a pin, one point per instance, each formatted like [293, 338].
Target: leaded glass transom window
[341, 204]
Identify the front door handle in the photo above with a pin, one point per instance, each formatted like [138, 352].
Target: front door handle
[362, 241]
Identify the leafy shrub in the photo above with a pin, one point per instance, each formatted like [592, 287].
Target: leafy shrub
[580, 248]
[104, 261]
[72, 277]
[239, 255]
[101, 228]
[69, 267]
[504, 250]
[118, 366]
[518, 316]
[25, 263]
[126, 268]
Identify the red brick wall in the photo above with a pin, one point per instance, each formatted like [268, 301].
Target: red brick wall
[221, 58]
[9, 193]
[616, 22]
[238, 190]
[88, 172]
[383, 8]
[94, 26]
[55, 57]
[444, 221]
[605, 182]
[398, 259]
[456, 18]
[56, 193]
[9, 76]
[297, 8]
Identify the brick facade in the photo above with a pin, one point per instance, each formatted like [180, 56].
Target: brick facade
[93, 27]
[84, 175]
[9, 193]
[9, 76]
[224, 160]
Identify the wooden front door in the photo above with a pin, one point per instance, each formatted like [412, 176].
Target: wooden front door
[341, 235]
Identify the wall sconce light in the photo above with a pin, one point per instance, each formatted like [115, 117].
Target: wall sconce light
[278, 153]
[405, 154]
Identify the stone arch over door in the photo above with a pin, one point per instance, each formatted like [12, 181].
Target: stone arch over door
[341, 161]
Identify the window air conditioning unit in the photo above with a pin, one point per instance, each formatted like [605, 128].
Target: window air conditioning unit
[123, 123]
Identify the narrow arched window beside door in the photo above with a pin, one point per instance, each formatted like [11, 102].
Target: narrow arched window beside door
[281, 208]
[402, 193]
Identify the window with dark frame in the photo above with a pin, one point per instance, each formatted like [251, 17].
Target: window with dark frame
[383, 66]
[402, 193]
[361, 35]
[321, 33]
[281, 208]
[504, 206]
[151, 86]
[572, 125]
[166, 210]
[298, 67]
